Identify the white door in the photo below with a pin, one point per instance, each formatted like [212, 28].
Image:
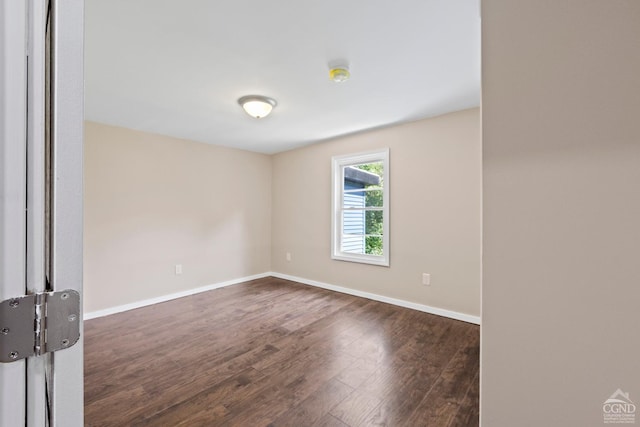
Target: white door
[41, 113]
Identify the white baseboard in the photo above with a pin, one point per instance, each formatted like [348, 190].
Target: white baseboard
[163, 298]
[402, 303]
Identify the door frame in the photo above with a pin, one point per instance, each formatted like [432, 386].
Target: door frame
[45, 390]
[67, 129]
[13, 86]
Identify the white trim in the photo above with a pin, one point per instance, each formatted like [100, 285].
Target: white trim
[338, 164]
[13, 185]
[394, 301]
[37, 367]
[65, 384]
[169, 297]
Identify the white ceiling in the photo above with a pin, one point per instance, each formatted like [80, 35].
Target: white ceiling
[178, 67]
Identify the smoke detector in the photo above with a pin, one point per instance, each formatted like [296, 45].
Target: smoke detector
[339, 74]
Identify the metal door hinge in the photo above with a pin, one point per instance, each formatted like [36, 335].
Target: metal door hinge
[31, 325]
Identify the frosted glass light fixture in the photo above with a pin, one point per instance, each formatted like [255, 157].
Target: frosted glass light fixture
[257, 106]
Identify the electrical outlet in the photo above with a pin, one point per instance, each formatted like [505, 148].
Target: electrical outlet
[178, 269]
[288, 256]
[426, 279]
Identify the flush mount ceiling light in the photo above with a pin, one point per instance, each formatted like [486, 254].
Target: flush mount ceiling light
[339, 74]
[257, 106]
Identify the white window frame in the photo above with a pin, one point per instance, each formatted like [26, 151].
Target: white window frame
[338, 164]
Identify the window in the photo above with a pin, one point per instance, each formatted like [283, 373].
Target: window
[360, 220]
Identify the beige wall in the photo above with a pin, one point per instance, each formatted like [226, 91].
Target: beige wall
[152, 202]
[435, 213]
[561, 281]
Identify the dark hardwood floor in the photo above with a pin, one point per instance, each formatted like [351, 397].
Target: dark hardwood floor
[271, 352]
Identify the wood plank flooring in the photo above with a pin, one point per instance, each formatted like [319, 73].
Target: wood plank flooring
[271, 352]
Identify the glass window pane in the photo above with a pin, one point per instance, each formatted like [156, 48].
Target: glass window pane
[353, 244]
[358, 223]
[354, 200]
[368, 175]
[373, 199]
[361, 199]
[374, 168]
[374, 222]
[353, 222]
[373, 245]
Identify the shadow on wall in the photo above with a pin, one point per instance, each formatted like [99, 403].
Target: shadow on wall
[153, 202]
